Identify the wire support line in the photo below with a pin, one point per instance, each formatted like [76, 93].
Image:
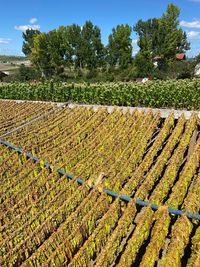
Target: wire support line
[113, 194]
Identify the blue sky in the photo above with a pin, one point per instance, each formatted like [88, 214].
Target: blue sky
[46, 15]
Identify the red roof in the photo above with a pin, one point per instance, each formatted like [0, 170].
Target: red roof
[180, 56]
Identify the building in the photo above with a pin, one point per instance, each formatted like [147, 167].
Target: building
[180, 56]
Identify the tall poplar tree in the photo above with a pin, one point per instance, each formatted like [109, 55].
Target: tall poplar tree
[28, 37]
[163, 36]
[120, 46]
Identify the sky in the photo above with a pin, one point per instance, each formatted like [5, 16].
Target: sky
[45, 15]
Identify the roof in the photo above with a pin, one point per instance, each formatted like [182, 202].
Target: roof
[180, 56]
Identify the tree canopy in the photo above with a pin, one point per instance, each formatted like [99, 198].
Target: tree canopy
[28, 37]
[80, 47]
[120, 46]
[162, 36]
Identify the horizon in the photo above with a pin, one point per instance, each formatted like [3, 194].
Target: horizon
[45, 16]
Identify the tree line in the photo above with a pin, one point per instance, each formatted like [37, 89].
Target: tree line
[80, 47]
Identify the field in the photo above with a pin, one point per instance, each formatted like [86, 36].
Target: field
[71, 188]
[11, 63]
[179, 94]
[7, 67]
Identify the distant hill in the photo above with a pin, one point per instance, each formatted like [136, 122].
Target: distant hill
[4, 58]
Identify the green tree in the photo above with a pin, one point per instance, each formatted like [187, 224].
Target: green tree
[70, 45]
[49, 52]
[40, 54]
[160, 37]
[120, 46]
[174, 39]
[28, 37]
[151, 36]
[91, 50]
[144, 65]
[72, 37]
[197, 59]
[57, 46]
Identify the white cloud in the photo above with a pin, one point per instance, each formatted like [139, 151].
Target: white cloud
[191, 24]
[23, 28]
[5, 40]
[33, 20]
[193, 35]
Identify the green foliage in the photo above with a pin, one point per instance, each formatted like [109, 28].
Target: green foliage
[40, 56]
[28, 42]
[73, 38]
[119, 48]
[197, 59]
[71, 46]
[56, 48]
[160, 37]
[150, 37]
[23, 74]
[81, 50]
[91, 48]
[27, 73]
[175, 70]
[144, 64]
[175, 40]
[176, 94]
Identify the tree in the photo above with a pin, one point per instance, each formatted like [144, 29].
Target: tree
[57, 46]
[28, 37]
[144, 65]
[160, 37]
[150, 36]
[51, 51]
[150, 39]
[174, 39]
[163, 36]
[197, 59]
[91, 50]
[120, 46]
[72, 36]
[40, 54]
[84, 47]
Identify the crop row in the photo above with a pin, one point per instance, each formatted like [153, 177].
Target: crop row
[178, 94]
